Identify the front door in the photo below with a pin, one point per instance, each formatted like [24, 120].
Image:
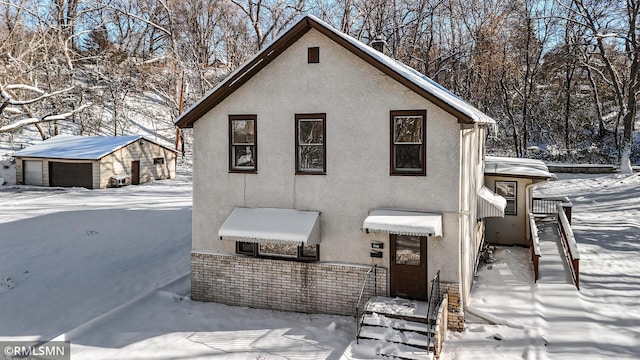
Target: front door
[135, 172]
[409, 266]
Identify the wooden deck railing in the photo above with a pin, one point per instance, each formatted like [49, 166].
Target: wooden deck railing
[569, 244]
[535, 245]
[549, 206]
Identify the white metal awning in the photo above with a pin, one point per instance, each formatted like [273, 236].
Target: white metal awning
[403, 222]
[490, 204]
[270, 225]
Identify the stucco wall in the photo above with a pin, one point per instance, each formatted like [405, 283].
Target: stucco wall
[512, 229]
[471, 179]
[357, 99]
[119, 162]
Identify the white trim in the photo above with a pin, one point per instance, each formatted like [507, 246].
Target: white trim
[490, 204]
[403, 222]
[271, 225]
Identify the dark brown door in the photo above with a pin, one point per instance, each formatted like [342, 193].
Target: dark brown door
[409, 266]
[71, 174]
[135, 172]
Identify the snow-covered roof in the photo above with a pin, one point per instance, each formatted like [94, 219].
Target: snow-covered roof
[271, 225]
[408, 76]
[415, 77]
[403, 222]
[490, 204]
[529, 168]
[78, 147]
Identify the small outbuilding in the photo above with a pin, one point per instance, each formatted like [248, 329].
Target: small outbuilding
[94, 162]
[514, 180]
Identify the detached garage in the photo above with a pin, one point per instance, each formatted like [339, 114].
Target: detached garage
[94, 162]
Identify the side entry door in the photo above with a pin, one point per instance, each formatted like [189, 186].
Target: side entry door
[408, 266]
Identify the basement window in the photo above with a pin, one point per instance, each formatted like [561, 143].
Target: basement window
[306, 253]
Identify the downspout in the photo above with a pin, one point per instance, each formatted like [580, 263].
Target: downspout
[463, 214]
[529, 198]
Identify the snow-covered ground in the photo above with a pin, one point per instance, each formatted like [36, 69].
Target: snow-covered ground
[556, 321]
[108, 271]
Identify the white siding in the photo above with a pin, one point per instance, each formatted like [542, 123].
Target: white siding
[119, 162]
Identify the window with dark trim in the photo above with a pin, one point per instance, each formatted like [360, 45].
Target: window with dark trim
[408, 142]
[304, 252]
[158, 161]
[509, 191]
[313, 55]
[311, 153]
[243, 146]
[246, 248]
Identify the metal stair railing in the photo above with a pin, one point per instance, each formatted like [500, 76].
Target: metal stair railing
[435, 298]
[360, 317]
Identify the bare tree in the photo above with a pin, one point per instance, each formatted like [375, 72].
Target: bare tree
[612, 30]
[268, 17]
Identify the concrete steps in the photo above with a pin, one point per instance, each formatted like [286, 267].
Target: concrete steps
[397, 328]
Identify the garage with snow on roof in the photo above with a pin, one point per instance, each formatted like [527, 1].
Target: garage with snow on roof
[94, 162]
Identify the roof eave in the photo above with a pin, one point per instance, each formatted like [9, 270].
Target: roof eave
[248, 70]
[462, 117]
[26, 157]
[522, 176]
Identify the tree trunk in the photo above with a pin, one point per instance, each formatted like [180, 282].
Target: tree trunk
[567, 105]
[598, 104]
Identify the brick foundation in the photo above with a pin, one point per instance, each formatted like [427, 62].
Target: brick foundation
[280, 285]
[455, 317]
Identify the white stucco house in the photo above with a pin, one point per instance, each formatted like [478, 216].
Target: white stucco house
[321, 157]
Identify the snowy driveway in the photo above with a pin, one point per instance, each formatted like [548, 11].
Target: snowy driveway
[75, 256]
[69, 255]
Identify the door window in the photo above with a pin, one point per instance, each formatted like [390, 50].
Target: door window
[408, 250]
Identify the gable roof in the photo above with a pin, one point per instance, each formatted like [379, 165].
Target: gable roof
[409, 77]
[79, 147]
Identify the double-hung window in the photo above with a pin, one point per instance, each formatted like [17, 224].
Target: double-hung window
[311, 155]
[408, 142]
[243, 146]
[509, 191]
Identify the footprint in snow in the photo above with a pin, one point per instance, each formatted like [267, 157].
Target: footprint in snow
[6, 283]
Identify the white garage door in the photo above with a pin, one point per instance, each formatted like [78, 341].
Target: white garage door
[33, 172]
